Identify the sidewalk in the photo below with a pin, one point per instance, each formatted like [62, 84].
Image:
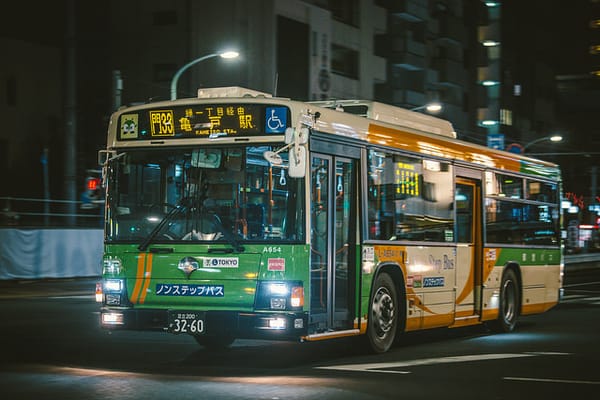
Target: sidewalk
[24, 288]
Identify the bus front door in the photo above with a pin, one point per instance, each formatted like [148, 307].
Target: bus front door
[333, 219]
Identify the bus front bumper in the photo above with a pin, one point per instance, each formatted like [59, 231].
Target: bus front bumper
[287, 326]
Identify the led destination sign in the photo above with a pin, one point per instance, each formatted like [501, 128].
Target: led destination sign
[203, 121]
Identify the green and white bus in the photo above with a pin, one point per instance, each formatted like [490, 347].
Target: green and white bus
[241, 215]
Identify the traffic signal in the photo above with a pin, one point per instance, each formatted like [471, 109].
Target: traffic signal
[92, 195]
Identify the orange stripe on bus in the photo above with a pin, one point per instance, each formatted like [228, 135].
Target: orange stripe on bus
[468, 288]
[147, 275]
[537, 308]
[138, 278]
[444, 147]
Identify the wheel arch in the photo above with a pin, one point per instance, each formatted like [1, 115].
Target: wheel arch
[395, 272]
[516, 268]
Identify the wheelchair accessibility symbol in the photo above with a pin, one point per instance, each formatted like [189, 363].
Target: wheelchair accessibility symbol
[276, 119]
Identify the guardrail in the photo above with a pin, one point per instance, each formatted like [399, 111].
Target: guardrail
[31, 212]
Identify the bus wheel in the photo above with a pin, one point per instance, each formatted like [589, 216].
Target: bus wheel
[215, 342]
[509, 303]
[383, 314]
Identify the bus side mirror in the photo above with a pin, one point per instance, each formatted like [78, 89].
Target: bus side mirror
[291, 132]
[105, 155]
[289, 135]
[297, 162]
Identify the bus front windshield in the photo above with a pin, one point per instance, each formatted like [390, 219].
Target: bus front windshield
[206, 194]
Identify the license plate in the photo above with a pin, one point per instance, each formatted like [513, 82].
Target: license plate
[186, 322]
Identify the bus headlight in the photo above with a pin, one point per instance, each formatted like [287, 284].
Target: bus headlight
[114, 290]
[280, 295]
[112, 318]
[113, 285]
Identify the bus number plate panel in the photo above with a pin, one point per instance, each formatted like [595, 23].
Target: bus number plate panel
[191, 322]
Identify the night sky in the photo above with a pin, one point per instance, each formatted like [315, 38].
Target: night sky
[553, 32]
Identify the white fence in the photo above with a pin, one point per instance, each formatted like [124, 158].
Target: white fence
[50, 253]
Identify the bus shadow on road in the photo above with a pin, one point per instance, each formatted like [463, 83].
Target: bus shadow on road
[249, 357]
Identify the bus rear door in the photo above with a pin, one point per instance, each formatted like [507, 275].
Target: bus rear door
[469, 250]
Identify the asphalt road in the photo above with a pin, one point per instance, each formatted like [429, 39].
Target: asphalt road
[52, 347]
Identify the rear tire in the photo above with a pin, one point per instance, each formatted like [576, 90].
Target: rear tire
[383, 314]
[510, 302]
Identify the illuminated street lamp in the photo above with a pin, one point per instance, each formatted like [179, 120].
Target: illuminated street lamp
[431, 107]
[226, 54]
[552, 138]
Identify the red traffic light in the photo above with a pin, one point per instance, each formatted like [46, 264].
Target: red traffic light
[93, 183]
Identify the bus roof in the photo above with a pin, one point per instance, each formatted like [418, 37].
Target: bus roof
[365, 121]
[392, 115]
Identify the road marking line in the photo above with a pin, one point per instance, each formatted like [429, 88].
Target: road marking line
[515, 378]
[81, 296]
[379, 367]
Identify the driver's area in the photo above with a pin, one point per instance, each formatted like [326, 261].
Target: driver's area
[202, 194]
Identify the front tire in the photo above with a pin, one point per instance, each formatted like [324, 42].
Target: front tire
[510, 302]
[383, 314]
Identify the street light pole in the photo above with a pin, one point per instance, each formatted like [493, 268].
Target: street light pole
[553, 138]
[227, 54]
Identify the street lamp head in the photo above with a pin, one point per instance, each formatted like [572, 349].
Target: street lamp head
[556, 138]
[229, 54]
[431, 107]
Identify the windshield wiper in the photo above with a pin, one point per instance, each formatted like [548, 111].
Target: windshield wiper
[168, 217]
[237, 247]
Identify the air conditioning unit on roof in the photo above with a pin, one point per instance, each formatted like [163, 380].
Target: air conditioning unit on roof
[229, 91]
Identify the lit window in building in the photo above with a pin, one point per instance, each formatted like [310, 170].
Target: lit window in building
[517, 89]
[505, 116]
[595, 49]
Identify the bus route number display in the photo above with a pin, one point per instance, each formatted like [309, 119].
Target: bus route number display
[161, 123]
[204, 121]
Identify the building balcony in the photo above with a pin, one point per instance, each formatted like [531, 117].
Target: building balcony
[410, 98]
[452, 29]
[450, 72]
[409, 10]
[490, 72]
[489, 32]
[390, 44]
[409, 61]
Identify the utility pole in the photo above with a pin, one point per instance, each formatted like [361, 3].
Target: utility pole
[70, 116]
[117, 84]
[594, 184]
